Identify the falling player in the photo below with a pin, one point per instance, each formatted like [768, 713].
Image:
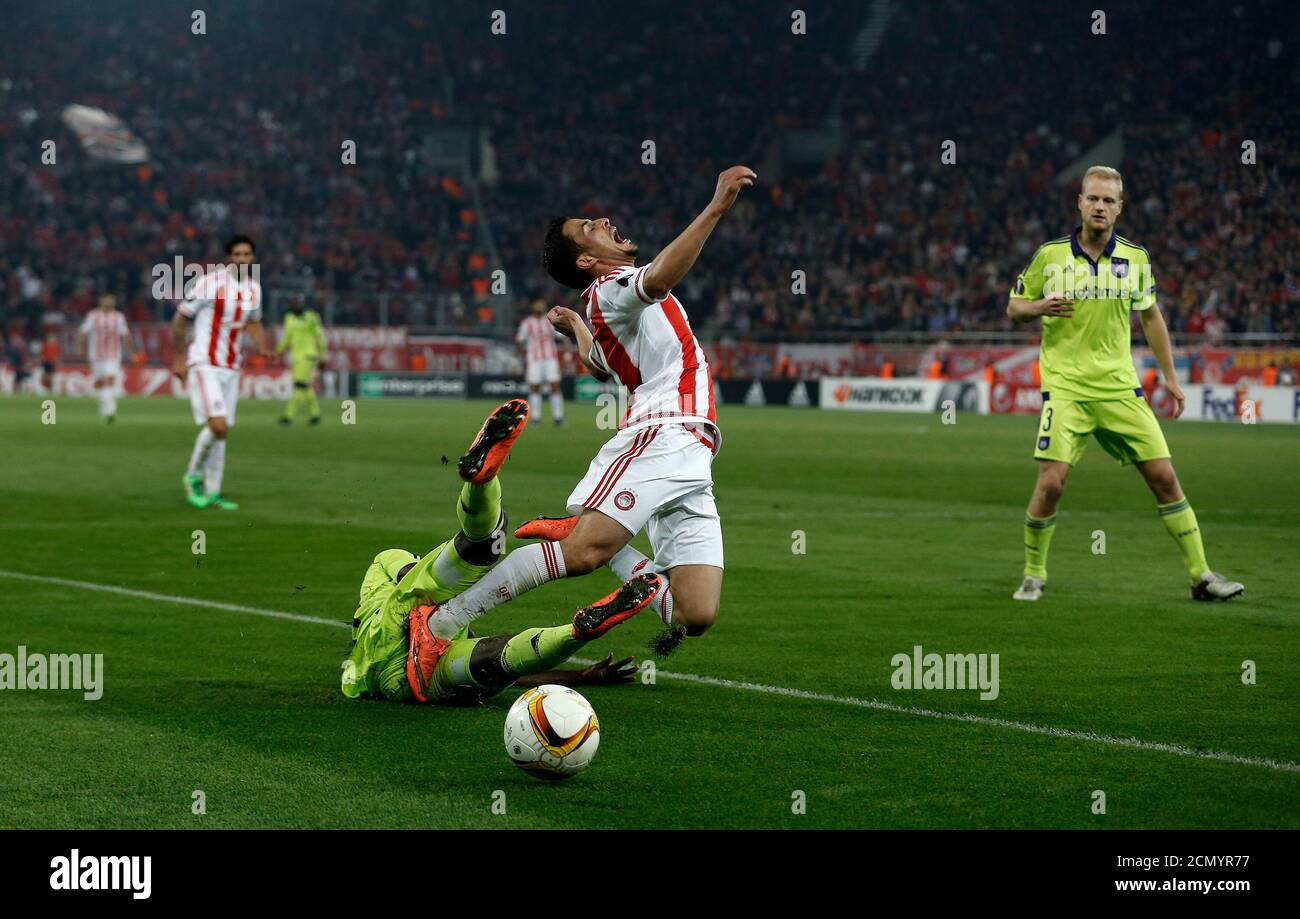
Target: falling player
[305, 338]
[536, 337]
[656, 472]
[1089, 383]
[104, 332]
[220, 306]
[395, 655]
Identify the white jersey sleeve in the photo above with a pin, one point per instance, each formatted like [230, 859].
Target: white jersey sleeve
[198, 295]
[622, 293]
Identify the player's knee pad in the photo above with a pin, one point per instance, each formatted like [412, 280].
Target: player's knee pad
[485, 551]
[485, 665]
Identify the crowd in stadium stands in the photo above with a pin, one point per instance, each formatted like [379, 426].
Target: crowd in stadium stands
[247, 127]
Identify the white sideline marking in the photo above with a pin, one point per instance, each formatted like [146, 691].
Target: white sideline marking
[1133, 743]
[168, 598]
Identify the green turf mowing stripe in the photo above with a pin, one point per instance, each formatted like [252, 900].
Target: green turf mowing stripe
[1134, 743]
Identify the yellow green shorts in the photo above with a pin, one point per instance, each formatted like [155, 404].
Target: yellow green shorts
[1127, 429]
[304, 368]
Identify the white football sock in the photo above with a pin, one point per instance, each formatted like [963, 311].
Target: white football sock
[103, 395]
[199, 456]
[627, 563]
[557, 406]
[535, 403]
[215, 468]
[517, 573]
[110, 400]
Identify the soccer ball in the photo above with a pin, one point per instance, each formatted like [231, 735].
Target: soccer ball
[552, 732]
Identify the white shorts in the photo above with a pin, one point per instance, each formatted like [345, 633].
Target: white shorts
[101, 369]
[213, 393]
[659, 478]
[537, 372]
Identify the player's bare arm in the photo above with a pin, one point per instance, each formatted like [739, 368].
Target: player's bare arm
[569, 324]
[180, 337]
[1057, 303]
[603, 671]
[1157, 336]
[258, 331]
[677, 258]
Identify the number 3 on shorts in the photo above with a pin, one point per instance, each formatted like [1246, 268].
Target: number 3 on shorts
[1047, 418]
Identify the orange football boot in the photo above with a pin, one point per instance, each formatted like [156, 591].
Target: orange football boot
[426, 648]
[552, 529]
[624, 603]
[490, 448]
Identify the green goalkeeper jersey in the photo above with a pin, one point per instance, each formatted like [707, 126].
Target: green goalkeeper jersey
[304, 335]
[1087, 357]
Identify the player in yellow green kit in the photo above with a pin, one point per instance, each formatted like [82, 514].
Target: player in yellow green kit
[397, 653]
[1083, 286]
[304, 336]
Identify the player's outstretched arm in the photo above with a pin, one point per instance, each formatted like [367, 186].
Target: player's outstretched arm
[569, 324]
[677, 258]
[605, 671]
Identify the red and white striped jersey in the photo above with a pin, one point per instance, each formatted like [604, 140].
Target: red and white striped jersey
[220, 305]
[649, 347]
[538, 333]
[104, 331]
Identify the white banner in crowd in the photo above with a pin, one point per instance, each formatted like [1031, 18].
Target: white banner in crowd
[876, 394]
[1205, 402]
[1224, 402]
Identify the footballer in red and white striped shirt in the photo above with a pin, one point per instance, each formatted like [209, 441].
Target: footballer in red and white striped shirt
[656, 472]
[536, 338]
[104, 332]
[220, 306]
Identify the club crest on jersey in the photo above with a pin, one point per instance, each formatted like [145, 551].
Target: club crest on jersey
[625, 500]
[1043, 442]
[1119, 267]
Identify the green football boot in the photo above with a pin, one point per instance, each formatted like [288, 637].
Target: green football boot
[194, 490]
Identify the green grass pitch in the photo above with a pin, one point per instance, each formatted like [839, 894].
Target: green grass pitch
[913, 536]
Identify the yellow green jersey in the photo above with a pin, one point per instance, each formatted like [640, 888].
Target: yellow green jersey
[1087, 357]
[303, 335]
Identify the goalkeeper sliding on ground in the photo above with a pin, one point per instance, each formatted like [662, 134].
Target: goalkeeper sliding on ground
[395, 654]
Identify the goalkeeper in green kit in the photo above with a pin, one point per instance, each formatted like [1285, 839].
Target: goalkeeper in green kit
[401, 651]
[304, 336]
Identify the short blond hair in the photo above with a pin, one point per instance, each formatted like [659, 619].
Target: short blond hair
[1103, 172]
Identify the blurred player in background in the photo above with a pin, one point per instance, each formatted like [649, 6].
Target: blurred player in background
[304, 336]
[16, 355]
[1089, 383]
[104, 333]
[219, 306]
[395, 653]
[536, 339]
[656, 472]
[50, 353]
